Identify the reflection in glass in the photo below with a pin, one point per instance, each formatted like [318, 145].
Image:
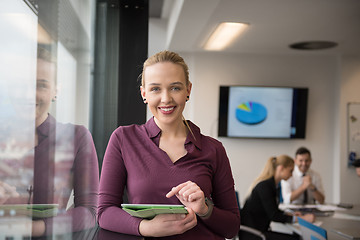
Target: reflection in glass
[48, 166]
[17, 100]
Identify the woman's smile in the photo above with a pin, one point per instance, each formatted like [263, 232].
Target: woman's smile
[167, 109]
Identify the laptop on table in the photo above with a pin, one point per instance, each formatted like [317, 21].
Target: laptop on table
[310, 231]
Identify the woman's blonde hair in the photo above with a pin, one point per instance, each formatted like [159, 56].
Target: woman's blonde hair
[45, 55]
[166, 56]
[270, 167]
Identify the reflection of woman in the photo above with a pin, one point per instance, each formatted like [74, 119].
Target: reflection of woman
[168, 161]
[261, 207]
[65, 161]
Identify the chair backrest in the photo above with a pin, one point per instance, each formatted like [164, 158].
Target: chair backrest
[247, 229]
[311, 231]
[237, 199]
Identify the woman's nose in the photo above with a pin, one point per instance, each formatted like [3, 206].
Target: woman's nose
[166, 97]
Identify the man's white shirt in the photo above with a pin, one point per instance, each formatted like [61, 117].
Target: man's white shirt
[295, 182]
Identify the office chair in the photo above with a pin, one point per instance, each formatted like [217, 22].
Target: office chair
[244, 228]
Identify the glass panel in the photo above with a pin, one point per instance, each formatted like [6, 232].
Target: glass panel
[18, 25]
[48, 163]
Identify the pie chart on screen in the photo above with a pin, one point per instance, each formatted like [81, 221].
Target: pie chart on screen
[251, 113]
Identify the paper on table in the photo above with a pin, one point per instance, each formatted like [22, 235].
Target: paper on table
[281, 227]
[327, 207]
[321, 207]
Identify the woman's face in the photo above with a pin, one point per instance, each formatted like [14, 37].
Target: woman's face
[165, 91]
[287, 172]
[45, 89]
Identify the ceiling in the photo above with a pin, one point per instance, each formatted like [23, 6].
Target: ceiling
[274, 24]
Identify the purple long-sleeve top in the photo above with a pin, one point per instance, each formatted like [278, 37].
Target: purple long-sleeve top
[134, 160]
[65, 164]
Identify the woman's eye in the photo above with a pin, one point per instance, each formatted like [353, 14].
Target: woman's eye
[41, 85]
[155, 89]
[176, 88]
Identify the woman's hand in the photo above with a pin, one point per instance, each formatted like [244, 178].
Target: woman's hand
[191, 196]
[297, 213]
[7, 191]
[38, 228]
[308, 217]
[163, 225]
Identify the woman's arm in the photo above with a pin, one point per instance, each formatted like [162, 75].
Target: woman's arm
[84, 182]
[225, 217]
[112, 185]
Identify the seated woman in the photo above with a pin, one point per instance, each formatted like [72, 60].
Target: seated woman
[261, 206]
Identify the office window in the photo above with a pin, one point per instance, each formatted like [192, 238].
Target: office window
[47, 155]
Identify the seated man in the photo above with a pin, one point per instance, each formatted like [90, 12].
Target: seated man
[304, 187]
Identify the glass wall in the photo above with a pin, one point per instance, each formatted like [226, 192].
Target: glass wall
[48, 163]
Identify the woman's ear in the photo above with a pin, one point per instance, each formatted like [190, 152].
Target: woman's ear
[56, 91]
[189, 88]
[280, 168]
[142, 91]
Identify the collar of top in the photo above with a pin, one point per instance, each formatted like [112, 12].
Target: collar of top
[44, 128]
[154, 132]
[298, 173]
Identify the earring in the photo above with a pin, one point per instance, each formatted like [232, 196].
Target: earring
[187, 98]
[144, 100]
[54, 99]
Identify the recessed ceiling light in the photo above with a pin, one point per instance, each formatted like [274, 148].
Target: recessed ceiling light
[224, 35]
[313, 45]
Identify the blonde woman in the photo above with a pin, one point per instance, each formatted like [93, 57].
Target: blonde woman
[168, 161]
[261, 206]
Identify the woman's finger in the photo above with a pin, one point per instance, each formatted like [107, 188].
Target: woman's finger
[175, 190]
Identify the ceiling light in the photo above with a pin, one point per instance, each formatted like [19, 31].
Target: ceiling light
[224, 35]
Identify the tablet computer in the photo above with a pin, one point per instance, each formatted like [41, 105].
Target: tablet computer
[33, 210]
[151, 210]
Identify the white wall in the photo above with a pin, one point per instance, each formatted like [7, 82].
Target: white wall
[349, 92]
[248, 156]
[157, 35]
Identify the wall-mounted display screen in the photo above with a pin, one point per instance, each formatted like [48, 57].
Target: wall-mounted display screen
[262, 112]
